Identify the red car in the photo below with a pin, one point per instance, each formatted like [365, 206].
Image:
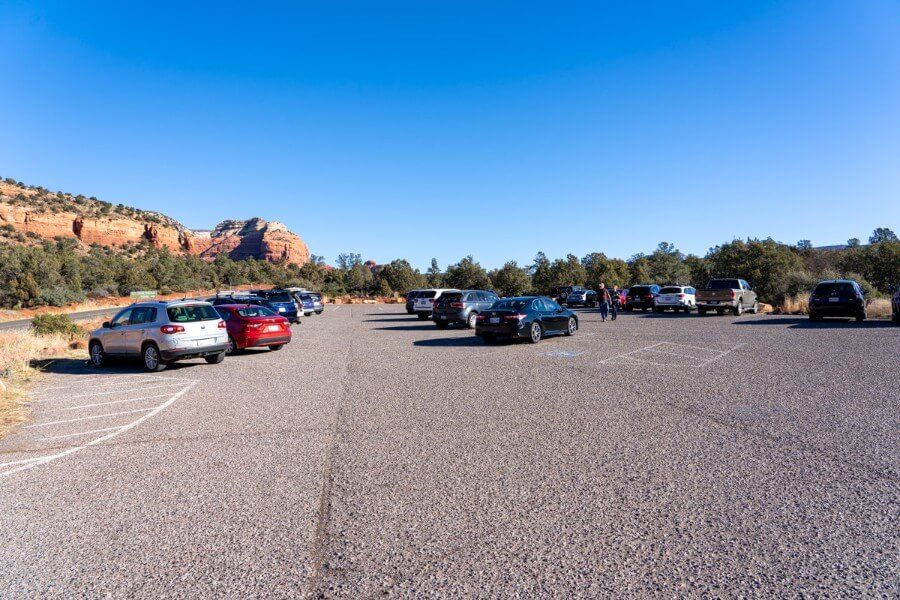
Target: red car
[251, 326]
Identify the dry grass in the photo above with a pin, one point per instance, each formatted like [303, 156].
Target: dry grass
[18, 350]
[795, 305]
[879, 307]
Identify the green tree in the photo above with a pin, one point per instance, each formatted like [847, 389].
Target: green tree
[398, 276]
[541, 274]
[467, 274]
[435, 276]
[882, 234]
[511, 280]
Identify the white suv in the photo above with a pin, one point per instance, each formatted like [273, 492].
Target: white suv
[160, 333]
[425, 301]
[676, 297]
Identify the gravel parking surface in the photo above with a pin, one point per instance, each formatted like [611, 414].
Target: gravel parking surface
[657, 455]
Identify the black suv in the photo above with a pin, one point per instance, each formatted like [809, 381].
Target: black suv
[561, 293]
[641, 296]
[461, 307]
[837, 298]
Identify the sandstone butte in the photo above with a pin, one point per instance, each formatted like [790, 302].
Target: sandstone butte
[255, 238]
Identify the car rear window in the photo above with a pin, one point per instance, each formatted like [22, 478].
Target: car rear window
[670, 290]
[723, 284]
[451, 297]
[278, 297]
[255, 311]
[430, 294]
[191, 313]
[825, 289]
[510, 304]
[638, 289]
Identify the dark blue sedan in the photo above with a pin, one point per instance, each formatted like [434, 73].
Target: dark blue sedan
[529, 317]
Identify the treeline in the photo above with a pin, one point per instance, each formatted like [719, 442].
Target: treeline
[58, 272]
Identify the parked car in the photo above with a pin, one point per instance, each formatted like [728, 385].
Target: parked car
[582, 298]
[247, 298]
[641, 297]
[425, 301]
[251, 326]
[529, 317]
[895, 303]
[160, 333]
[837, 298]
[461, 307]
[281, 302]
[720, 295]
[411, 300]
[561, 293]
[676, 297]
[308, 303]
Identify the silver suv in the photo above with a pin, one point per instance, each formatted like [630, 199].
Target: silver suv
[160, 333]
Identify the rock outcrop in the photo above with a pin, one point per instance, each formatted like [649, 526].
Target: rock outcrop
[38, 214]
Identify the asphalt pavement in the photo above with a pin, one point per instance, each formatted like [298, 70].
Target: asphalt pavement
[658, 455]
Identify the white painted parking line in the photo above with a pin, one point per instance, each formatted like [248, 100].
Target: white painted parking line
[672, 351]
[103, 380]
[95, 404]
[46, 459]
[107, 392]
[19, 462]
[115, 414]
[88, 432]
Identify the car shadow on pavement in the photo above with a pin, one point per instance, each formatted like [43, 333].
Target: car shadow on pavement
[467, 341]
[805, 323]
[425, 327]
[398, 319]
[81, 366]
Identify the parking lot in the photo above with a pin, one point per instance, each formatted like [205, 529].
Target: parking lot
[654, 455]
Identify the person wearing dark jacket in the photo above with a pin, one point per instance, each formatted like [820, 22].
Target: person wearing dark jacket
[615, 303]
[604, 300]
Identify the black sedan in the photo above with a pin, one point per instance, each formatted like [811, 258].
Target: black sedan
[529, 317]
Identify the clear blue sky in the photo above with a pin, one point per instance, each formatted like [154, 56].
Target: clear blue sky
[444, 129]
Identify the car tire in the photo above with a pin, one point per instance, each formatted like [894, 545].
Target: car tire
[815, 318]
[441, 324]
[738, 309]
[572, 326]
[215, 359]
[232, 347]
[701, 312]
[472, 320]
[755, 309]
[276, 347]
[535, 332]
[96, 354]
[860, 317]
[151, 358]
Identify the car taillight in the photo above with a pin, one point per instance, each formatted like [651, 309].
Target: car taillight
[254, 325]
[456, 305]
[221, 325]
[518, 317]
[648, 296]
[681, 295]
[172, 329]
[733, 294]
[480, 317]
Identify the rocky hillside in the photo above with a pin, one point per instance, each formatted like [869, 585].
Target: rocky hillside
[29, 214]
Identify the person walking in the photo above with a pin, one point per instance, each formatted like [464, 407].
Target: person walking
[615, 303]
[604, 299]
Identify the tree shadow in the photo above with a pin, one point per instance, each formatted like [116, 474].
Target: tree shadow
[805, 323]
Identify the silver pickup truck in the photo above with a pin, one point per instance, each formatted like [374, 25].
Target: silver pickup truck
[734, 295]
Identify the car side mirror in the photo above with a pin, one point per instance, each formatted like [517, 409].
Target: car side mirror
[560, 309]
[107, 325]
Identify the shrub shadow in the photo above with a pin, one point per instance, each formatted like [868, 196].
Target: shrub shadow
[805, 323]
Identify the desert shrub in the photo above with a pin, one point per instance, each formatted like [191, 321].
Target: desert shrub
[53, 324]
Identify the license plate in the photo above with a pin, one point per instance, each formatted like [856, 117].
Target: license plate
[281, 309]
[834, 299]
[201, 343]
[273, 328]
[495, 319]
[713, 301]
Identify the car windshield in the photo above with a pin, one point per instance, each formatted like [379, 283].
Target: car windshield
[191, 313]
[670, 290]
[511, 304]
[723, 284]
[278, 297]
[255, 311]
[826, 289]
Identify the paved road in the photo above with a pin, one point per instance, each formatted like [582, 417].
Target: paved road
[84, 315]
[654, 456]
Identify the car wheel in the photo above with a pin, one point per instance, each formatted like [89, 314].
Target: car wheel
[535, 333]
[276, 347]
[739, 309]
[755, 309]
[572, 326]
[860, 317]
[815, 318]
[215, 359]
[472, 320]
[98, 356]
[231, 347]
[152, 360]
[441, 324]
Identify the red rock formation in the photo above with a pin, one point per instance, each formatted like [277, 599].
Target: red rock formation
[77, 226]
